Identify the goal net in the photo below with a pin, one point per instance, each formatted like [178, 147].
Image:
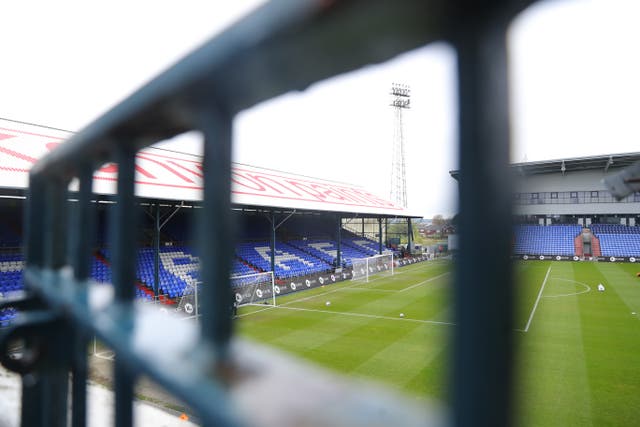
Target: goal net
[254, 289]
[258, 288]
[365, 267]
[189, 303]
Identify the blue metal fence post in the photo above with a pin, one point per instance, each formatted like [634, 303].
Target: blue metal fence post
[124, 250]
[81, 242]
[54, 376]
[34, 415]
[482, 359]
[216, 235]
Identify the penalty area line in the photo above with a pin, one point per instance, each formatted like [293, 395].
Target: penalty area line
[255, 312]
[535, 306]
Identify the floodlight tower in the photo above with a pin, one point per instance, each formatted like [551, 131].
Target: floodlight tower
[401, 99]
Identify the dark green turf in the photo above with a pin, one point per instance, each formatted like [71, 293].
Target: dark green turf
[578, 364]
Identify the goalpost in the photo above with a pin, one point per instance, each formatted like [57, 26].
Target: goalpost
[189, 300]
[250, 289]
[254, 289]
[378, 264]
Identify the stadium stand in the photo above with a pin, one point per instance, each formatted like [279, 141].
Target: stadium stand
[325, 250]
[11, 265]
[100, 271]
[312, 250]
[289, 261]
[366, 246]
[618, 240]
[545, 240]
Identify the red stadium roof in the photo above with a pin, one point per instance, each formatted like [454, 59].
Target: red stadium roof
[165, 175]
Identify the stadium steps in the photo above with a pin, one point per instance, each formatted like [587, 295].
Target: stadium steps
[595, 246]
[357, 248]
[248, 264]
[307, 251]
[143, 287]
[578, 245]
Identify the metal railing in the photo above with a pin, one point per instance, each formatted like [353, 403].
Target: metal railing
[283, 46]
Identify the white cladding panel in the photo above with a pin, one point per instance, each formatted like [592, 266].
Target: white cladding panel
[590, 180]
[572, 181]
[578, 209]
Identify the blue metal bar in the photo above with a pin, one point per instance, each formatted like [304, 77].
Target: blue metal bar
[34, 220]
[124, 251]
[82, 233]
[124, 226]
[82, 227]
[216, 230]
[203, 392]
[483, 351]
[55, 227]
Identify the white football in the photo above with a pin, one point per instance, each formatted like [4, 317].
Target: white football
[328, 303]
[401, 314]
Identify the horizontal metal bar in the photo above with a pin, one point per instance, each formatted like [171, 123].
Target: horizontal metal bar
[191, 380]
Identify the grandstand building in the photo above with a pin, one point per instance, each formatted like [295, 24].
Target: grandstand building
[293, 225]
[563, 211]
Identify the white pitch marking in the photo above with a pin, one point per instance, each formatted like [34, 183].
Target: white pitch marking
[535, 306]
[370, 316]
[360, 288]
[587, 289]
[254, 312]
[423, 282]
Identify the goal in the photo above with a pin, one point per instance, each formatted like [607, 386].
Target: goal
[252, 289]
[378, 264]
[189, 300]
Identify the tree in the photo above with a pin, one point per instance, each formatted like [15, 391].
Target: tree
[438, 220]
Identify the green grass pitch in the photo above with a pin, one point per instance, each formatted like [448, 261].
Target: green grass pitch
[578, 354]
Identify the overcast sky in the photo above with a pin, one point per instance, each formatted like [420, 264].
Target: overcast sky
[574, 79]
